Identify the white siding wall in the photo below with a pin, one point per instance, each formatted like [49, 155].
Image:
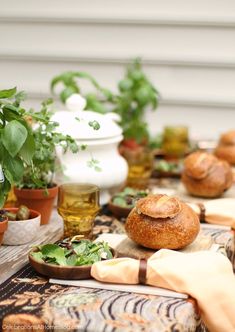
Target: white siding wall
[187, 46]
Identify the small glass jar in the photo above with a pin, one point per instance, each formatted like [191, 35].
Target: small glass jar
[175, 141]
[140, 166]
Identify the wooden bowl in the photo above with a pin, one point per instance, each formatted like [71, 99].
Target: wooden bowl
[119, 211]
[162, 174]
[62, 272]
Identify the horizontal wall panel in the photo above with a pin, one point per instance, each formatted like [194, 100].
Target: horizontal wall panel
[175, 83]
[187, 46]
[168, 60]
[203, 122]
[122, 20]
[119, 41]
[207, 10]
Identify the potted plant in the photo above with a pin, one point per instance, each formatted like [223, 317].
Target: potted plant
[17, 145]
[36, 188]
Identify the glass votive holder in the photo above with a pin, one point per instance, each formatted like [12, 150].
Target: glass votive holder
[140, 166]
[78, 205]
[175, 141]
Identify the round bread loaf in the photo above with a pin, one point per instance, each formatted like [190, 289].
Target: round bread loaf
[226, 147]
[205, 175]
[160, 221]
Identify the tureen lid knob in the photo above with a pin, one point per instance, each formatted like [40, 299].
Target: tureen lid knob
[76, 102]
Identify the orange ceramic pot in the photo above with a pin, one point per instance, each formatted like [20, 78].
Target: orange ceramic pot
[3, 228]
[40, 200]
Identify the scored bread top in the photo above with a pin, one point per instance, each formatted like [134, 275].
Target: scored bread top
[159, 206]
[198, 164]
[228, 138]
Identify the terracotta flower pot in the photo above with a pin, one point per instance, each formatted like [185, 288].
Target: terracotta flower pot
[37, 199]
[3, 228]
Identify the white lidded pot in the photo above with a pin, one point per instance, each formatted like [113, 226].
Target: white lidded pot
[100, 163]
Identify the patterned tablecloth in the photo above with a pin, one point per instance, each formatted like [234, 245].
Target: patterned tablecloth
[67, 308]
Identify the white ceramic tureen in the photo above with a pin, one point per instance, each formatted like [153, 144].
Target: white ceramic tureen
[100, 163]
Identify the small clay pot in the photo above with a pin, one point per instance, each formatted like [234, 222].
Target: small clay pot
[3, 228]
[41, 200]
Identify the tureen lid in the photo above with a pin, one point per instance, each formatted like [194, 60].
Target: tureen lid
[86, 125]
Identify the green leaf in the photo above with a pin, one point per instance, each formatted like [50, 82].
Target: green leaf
[14, 166]
[10, 112]
[38, 256]
[54, 251]
[66, 93]
[20, 96]
[94, 124]
[8, 176]
[13, 137]
[7, 93]
[125, 84]
[1, 150]
[2, 199]
[88, 77]
[143, 95]
[81, 247]
[71, 260]
[119, 201]
[129, 191]
[5, 187]
[28, 149]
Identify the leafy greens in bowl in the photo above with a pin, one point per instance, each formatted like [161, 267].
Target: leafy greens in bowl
[128, 197]
[123, 202]
[69, 259]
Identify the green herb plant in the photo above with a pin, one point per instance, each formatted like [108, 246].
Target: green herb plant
[73, 252]
[97, 100]
[136, 94]
[40, 172]
[17, 145]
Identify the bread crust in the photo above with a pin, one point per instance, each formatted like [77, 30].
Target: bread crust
[163, 232]
[226, 147]
[217, 175]
[160, 206]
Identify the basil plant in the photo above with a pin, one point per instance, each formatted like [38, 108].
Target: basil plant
[17, 145]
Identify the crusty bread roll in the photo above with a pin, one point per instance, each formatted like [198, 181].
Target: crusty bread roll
[205, 175]
[226, 147]
[160, 221]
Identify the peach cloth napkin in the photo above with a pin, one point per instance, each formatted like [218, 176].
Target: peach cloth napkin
[206, 276]
[218, 211]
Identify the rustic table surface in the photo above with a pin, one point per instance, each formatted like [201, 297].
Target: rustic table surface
[30, 297]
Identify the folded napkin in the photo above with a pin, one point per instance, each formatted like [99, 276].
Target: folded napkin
[217, 211]
[207, 276]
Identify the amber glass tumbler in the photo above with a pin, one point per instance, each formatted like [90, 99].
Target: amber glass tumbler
[78, 205]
